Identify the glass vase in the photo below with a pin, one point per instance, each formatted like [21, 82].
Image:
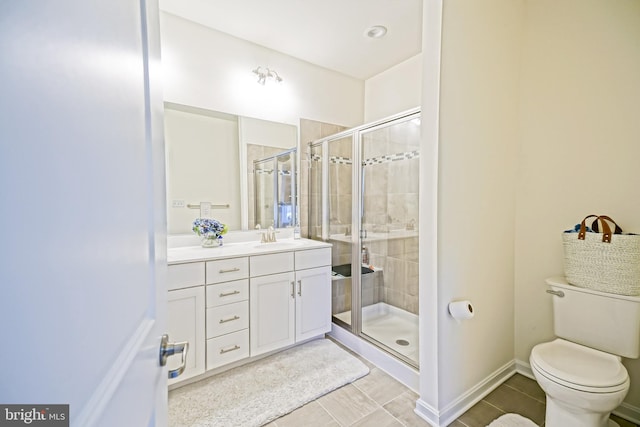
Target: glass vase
[211, 242]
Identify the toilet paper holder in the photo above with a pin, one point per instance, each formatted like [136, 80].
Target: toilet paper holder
[461, 310]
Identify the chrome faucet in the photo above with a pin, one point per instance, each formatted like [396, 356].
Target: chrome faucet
[268, 236]
[271, 238]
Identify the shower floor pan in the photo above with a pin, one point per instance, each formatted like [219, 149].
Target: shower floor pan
[391, 326]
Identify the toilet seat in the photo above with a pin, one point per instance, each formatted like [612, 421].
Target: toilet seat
[579, 367]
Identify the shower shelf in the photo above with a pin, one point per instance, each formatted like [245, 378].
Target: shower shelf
[374, 237]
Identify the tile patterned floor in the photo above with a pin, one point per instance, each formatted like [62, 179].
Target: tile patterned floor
[378, 400]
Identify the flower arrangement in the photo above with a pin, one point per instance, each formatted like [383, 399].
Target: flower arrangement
[209, 229]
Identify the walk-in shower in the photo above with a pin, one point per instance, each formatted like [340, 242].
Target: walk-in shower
[370, 215]
[274, 190]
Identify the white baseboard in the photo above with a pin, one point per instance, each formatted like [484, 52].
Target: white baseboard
[524, 368]
[459, 406]
[427, 413]
[628, 412]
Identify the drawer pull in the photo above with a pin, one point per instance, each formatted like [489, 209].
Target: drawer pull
[227, 350]
[228, 294]
[231, 270]
[230, 319]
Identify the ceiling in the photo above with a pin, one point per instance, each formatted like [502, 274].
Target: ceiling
[328, 33]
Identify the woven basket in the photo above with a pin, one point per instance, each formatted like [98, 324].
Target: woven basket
[603, 261]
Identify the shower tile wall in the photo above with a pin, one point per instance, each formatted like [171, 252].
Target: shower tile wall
[311, 130]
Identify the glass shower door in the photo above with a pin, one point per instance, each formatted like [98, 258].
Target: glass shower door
[369, 213]
[264, 190]
[275, 190]
[330, 220]
[286, 190]
[389, 172]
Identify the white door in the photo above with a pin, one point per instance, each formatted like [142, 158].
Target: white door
[82, 210]
[186, 322]
[271, 312]
[313, 302]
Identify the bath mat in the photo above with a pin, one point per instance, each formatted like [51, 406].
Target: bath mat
[512, 420]
[261, 391]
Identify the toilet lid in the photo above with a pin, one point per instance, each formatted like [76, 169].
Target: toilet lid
[579, 367]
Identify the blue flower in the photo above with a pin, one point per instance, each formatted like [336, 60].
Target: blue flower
[207, 227]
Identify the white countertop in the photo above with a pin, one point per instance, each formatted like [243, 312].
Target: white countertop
[180, 255]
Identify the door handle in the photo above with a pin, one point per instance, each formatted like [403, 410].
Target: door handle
[169, 349]
[299, 288]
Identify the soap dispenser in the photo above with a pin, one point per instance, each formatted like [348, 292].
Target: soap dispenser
[365, 255]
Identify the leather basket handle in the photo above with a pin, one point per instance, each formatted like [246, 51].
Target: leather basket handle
[606, 230]
[594, 224]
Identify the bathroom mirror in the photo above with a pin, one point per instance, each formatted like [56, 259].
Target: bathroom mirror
[274, 190]
[210, 159]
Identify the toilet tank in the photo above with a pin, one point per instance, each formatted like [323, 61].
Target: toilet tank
[606, 322]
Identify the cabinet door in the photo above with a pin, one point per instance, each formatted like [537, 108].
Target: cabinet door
[272, 312]
[186, 322]
[313, 302]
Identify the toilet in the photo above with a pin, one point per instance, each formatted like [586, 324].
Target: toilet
[581, 370]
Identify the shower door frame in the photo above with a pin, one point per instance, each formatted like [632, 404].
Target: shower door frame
[357, 212]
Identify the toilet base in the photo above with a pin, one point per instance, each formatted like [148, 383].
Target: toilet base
[559, 414]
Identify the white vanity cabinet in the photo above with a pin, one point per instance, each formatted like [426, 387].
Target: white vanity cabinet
[236, 302]
[227, 311]
[186, 316]
[290, 298]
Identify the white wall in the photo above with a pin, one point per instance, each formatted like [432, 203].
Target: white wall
[394, 90]
[202, 166]
[476, 200]
[579, 143]
[269, 134]
[476, 194]
[209, 69]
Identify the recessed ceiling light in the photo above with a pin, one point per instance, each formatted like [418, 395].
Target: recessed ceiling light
[376, 31]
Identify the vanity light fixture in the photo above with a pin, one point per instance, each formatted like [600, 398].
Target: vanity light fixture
[267, 73]
[376, 32]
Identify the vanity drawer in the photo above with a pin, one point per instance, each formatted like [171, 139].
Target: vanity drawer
[313, 258]
[227, 292]
[261, 265]
[185, 275]
[227, 318]
[227, 348]
[227, 269]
